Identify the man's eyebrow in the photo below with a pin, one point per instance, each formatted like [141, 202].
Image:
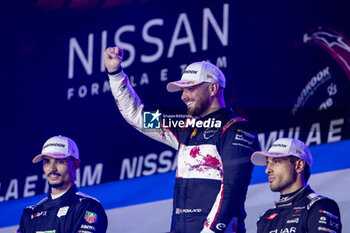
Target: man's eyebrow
[273, 159]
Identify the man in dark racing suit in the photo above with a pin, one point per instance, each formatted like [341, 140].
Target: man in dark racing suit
[299, 209]
[214, 147]
[65, 209]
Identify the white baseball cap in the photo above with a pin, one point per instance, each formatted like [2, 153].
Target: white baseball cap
[283, 147]
[196, 73]
[58, 147]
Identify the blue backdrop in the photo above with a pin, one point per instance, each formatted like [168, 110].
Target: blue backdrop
[286, 64]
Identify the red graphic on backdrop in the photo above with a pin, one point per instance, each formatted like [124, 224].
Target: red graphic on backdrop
[334, 43]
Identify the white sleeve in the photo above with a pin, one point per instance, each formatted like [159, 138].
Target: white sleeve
[131, 108]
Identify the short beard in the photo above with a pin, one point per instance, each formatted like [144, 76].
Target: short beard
[57, 185]
[194, 112]
[200, 109]
[275, 189]
[285, 185]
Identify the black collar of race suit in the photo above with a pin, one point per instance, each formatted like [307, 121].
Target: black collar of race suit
[289, 199]
[73, 189]
[288, 195]
[216, 114]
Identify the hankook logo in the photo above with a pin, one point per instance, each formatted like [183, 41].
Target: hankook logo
[54, 144]
[190, 72]
[279, 145]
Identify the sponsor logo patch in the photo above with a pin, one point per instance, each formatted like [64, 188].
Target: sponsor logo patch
[295, 220]
[54, 144]
[246, 133]
[297, 211]
[87, 227]
[279, 145]
[62, 211]
[288, 204]
[209, 133]
[220, 226]
[285, 230]
[194, 133]
[187, 211]
[329, 214]
[239, 137]
[326, 229]
[322, 220]
[185, 83]
[41, 213]
[90, 217]
[231, 122]
[190, 72]
[272, 216]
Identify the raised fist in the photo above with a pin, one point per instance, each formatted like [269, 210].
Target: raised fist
[113, 57]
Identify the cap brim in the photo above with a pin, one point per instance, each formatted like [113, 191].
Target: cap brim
[38, 158]
[260, 158]
[177, 85]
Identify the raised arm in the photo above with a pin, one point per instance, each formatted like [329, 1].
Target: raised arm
[128, 102]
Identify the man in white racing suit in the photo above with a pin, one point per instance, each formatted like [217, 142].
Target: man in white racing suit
[214, 147]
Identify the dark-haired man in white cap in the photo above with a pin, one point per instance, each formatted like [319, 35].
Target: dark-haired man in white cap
[299, 209]
[65, 209]
[214, 147]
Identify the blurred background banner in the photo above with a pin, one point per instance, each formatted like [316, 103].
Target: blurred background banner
[287, 67]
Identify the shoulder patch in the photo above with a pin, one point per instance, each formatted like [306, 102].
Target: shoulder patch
[231, 122]
[314, 197]
[39, 203]
[265, 213]
[86, 196]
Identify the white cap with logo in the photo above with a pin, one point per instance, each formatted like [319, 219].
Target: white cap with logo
[58, 147]
[283, 147]
[196, 73]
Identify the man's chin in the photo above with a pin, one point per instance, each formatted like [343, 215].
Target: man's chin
[56, 185]
[274, 189]
[193, 112]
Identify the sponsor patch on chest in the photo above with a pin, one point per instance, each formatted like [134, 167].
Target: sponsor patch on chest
[209, 133]
[294, 220]
[187, 211]
[62, 211]
[285, 230]
[90, 217]
[38, 214]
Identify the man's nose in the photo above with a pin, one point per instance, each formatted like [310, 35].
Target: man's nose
[184, 96]
[268, 169]
[52, 166]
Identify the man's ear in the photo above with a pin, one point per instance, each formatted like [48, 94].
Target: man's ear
[76, 164]
[300, 165]
[214, 88]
